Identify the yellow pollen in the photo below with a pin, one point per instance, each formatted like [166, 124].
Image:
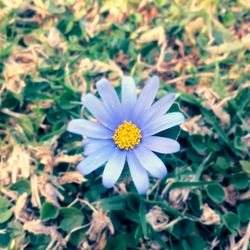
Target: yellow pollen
[127, 135]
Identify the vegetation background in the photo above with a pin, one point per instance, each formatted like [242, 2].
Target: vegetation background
[52, 52]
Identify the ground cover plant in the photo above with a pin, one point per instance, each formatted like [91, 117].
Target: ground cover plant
[53, 52]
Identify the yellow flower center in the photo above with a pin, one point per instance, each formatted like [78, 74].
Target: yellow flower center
[127, 135]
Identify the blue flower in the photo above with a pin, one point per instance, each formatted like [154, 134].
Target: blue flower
[125, 131]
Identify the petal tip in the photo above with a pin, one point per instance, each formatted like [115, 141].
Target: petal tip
[179, 116]
[155, 80]
[70, 126]
[107, 184]
[102, 82]
[79, 168]
[178, 147]
[171, 96]
[163, 174]
[142, 191]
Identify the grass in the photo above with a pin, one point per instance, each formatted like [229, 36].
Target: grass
[53, 52]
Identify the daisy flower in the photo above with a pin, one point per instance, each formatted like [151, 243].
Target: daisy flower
[125, 132]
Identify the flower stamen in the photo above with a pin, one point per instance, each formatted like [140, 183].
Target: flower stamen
[127, 135]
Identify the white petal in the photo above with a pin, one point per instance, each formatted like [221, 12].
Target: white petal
[162, 123]
[92, 145]
[159, 108]
[147, 96]
[138, 173]
[152, 163]
[110, 98]
[95, 160]
[98, 110]
[88, 128]
[161, 144]
[128, 96]
[113, 168]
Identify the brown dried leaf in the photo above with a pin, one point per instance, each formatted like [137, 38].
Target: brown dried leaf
[37, 227]
[195, 125]
[35, 199]
[98, 66]
[212, 102]
[42, 8]
[223, 116]
[148, 13]
[67, 158]
[178, 196]
[245, 196]
[243, 243]
[44, 155]
[5, 177]
[80, 9]
[99, 222]
[54, 38]
[49, 191]
[209, 216]
[226, 47]
[101, 243]
[155, 34]
[118, 10]
[20, 208]
[11, 194]
[231, 195]
[22, 62]
[93, 26]
[157, 218]
[8, 6]
[71, 177]
[216, 58]
[19, 164]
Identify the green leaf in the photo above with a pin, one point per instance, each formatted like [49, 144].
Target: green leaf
[66, 99]
[228, 19]
[27, 124]
[160, 3]
[5, 212]
[77, 237]
[39, 241]
[72, 218]
[5, 215]
[221, 163]
[216, 193]
[117, 242]
[21, 186]
[4, 204]
[114, 203]
[142, 212]
[240, 180]
[4, 240]
[231, 220]
[54, 9]
[245, 166]
[195, 204]
[243, 210]
[198, 142]
[48, 211]
[219, 85]
[185, 184]
[194, 242]
[183, 228]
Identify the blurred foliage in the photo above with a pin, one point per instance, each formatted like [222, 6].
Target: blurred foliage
[52, 52]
